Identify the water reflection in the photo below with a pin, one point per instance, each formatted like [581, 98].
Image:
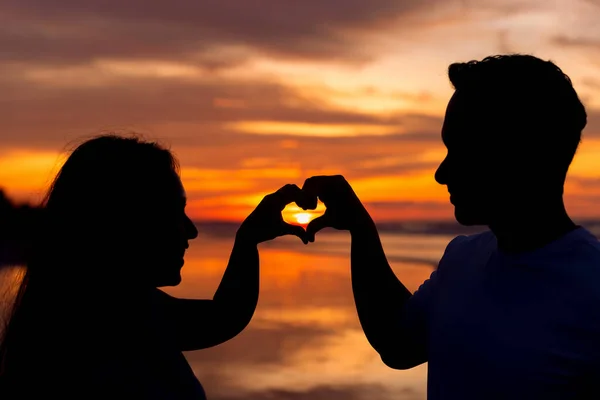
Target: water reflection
[305, 341]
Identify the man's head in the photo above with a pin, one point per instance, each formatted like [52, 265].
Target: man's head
[511, 130]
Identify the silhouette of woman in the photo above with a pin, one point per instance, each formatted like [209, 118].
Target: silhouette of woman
[89, 320]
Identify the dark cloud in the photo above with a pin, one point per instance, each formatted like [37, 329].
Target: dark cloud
[192, 113]
[591, 83]
[194, 118]
[70, 31]
[566, 41]
[589, 46]
[33, 112]
[356, 157]
[586, 46]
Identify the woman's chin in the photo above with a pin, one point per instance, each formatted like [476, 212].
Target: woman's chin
[170, 281]
[172, 275]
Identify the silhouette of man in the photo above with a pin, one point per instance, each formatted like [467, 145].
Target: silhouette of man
[511, 313]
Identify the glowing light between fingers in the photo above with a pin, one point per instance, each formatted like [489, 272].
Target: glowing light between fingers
[303, 218]
[292, 214]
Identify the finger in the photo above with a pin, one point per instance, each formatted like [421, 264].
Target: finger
[316, 225]
[296, 231]
[319, 187]
[287, 194]
[311, 190]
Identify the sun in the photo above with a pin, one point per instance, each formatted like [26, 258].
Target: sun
[292, 214]
[303, 218]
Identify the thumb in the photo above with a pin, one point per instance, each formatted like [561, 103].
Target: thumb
[295, 230]
[316, 225]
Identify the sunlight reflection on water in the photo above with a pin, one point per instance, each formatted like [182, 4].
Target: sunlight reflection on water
[305, 340]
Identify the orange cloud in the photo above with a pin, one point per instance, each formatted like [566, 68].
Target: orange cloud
[249, 104]
[305, 129]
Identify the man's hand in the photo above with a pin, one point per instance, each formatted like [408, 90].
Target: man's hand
[266, 223]
[344, 209]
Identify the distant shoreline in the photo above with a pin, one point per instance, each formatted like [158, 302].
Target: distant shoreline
[412, 227]
[220, 228]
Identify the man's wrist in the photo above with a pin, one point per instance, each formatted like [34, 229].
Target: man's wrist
[362, 222]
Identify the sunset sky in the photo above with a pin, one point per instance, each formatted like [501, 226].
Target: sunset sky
[254, 94]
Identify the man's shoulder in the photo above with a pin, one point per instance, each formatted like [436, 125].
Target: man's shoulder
[470, 243]
[468, 248]
[583, 249]
[576, 262]
[588, 241]
[577, 247]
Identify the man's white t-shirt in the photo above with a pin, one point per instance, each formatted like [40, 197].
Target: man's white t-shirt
[500, 326]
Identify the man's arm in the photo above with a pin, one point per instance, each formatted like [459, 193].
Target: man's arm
[394, 329]
[381, 300]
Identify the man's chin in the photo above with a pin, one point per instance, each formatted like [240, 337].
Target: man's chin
[467, 218]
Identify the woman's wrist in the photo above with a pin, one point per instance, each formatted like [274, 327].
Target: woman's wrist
[246, 235]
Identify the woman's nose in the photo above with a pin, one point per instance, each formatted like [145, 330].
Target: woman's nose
[192, 231]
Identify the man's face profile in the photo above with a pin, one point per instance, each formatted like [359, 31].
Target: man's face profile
[472, 169]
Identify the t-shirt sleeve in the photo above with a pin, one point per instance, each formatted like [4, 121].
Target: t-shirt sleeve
[415, 318]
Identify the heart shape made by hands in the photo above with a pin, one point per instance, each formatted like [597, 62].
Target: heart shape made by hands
[294, 215]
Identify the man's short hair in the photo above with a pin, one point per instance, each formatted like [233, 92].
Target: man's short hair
[529, 98]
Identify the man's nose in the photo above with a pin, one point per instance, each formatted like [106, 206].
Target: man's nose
[442, 172]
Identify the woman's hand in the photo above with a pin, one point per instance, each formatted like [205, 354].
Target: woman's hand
[266, 223]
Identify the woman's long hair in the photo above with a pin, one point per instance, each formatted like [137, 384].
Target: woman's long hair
[102, 183]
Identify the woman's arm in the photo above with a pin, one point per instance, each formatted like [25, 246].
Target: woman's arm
[199, 324]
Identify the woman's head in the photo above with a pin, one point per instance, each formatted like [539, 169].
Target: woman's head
[115, 212]
[113, 219]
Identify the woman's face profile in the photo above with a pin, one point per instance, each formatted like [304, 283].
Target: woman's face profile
[162, 234]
